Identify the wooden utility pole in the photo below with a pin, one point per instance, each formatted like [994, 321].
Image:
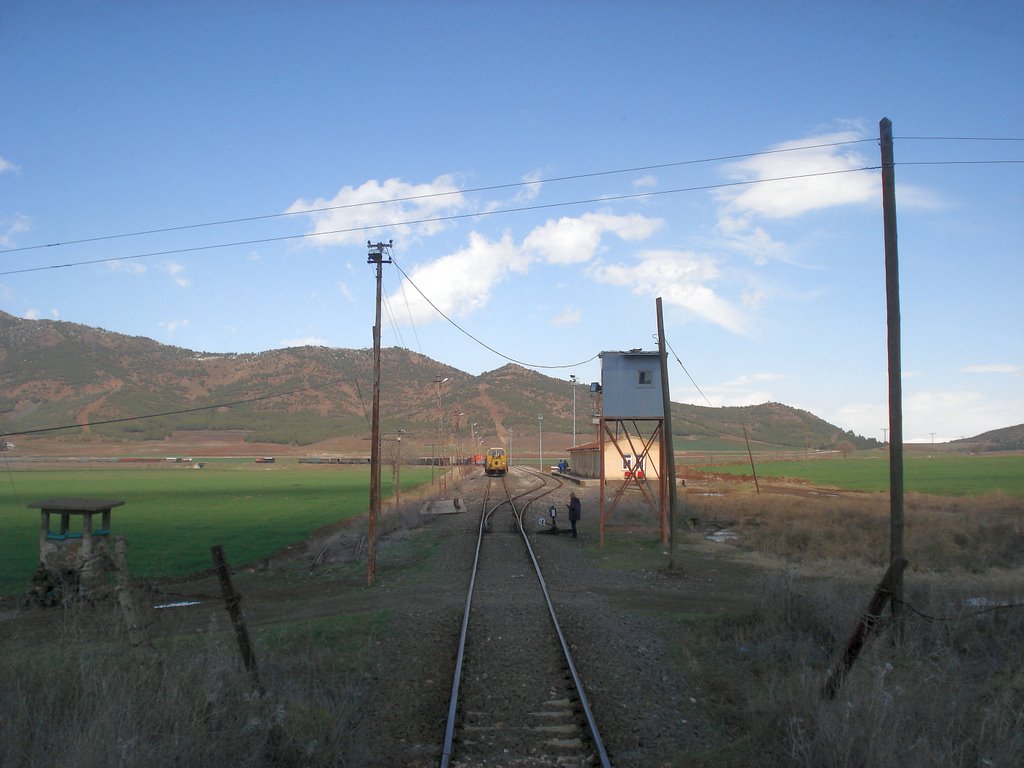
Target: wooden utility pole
[892, 303]
[376, 256]
[668, 450]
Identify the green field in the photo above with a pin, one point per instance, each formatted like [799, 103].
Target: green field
[173, 514]
[942, 474]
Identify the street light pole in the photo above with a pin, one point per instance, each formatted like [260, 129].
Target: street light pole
[572, 382]
[540, 444]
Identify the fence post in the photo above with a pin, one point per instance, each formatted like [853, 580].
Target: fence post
[138, 637]
[232, 601]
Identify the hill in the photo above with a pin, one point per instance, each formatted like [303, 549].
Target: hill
[57, 374]
[1005, 439]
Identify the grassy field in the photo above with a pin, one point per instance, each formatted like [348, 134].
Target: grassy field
[941, 474]
[174, 514]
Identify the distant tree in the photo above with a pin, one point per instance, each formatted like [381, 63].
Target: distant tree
[846, 448]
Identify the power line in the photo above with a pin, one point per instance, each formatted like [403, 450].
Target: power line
[961, 162]
[957, 138]
[478, 341]
[410, 198]
[172, 413]
[688, 374]
[490, 188]
[449, 217]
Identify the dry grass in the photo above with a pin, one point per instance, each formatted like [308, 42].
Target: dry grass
[950, 692]
[968, 534]
[80, 699]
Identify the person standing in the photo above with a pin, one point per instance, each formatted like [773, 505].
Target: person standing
[574, 511]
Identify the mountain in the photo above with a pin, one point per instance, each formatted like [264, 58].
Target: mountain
[1005, 439]
[57, 374]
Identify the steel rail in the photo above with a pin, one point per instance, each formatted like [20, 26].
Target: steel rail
[453, 704]
[595, 735]
[485, 514]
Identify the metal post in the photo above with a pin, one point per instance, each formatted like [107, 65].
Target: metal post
[892, 295]
[376, 256]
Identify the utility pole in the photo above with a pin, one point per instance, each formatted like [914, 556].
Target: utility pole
[668, 450]
[379, 254]
[892, 304]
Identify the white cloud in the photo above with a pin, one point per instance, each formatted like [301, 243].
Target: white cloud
[742, 236]
[795, 196]
[174, 270]
[910, 196]
[126, 267]
[7, 165]
[746, 381]
[646, 182]
[991, 368]
[306, 341]
[458, 283]
[461, 283]
[172, 325]
[681, 278]
[568, 316]
[345, 291]
[531, 189]
[15, 225]
[375, 203]
[35, 314]
[865, 419]
[571, 240]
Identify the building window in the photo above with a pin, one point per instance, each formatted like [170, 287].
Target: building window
[627, 461]
[645, 378]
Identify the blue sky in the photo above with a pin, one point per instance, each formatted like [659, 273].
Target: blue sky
[117, 118]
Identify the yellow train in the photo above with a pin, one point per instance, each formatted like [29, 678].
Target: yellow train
[496, 462]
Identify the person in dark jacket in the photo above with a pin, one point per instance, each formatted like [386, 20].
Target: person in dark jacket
[574, 511]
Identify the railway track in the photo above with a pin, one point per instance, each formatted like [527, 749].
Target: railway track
[517, 699]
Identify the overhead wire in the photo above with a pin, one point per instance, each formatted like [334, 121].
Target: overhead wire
[491, 188]
[474, 338]
[448, 217]
[392, 321]
[396, 325]
[669, 345]
[428, 195]
[178, 412]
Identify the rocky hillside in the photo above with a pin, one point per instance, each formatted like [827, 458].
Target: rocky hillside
[58, 374]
